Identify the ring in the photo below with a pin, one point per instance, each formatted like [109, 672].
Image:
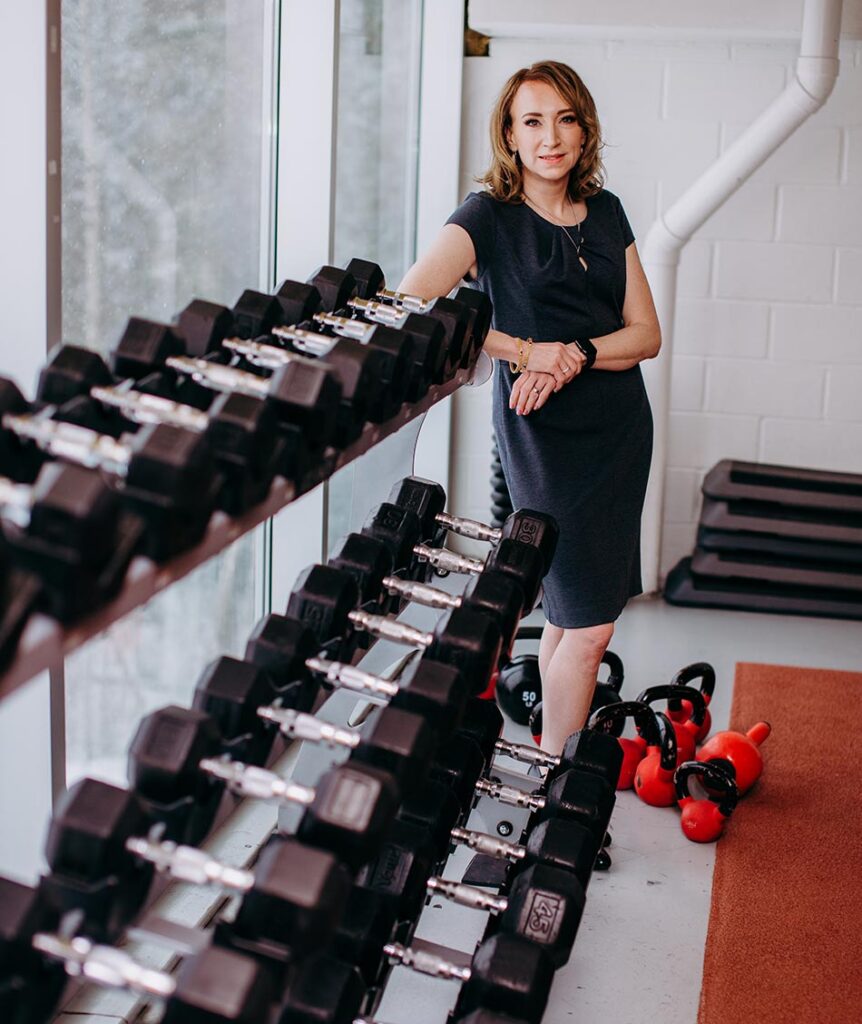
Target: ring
[536, 391]
[566, 369]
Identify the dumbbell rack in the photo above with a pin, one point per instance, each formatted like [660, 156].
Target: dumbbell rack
[170, 926]
[45, 642]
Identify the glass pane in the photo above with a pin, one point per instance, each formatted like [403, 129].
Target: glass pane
[375, 201]
[166, 156]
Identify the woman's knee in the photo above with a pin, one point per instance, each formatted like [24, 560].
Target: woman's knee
[591, 641]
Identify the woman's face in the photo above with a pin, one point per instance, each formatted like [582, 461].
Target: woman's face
[544, 132]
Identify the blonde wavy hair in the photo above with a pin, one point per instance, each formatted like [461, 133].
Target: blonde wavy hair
[504, 178]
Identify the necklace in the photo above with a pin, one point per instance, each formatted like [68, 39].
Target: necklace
[565, 230]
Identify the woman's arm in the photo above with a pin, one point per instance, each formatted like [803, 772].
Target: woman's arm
[450, 258]
[640, 338]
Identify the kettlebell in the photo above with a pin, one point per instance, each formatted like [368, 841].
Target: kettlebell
[536, 724]
[686, 732]
[654, 776]
[612, 719]
[677, 712]
[742, 749]
[607, 691]
[703, 819]
[519, 687]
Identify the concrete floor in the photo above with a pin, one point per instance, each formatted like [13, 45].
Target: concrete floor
[639, 952]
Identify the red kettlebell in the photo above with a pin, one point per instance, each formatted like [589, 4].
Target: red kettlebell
[654, 776]
[607, 719]
[703, 671]
[686, 732]
[703, 819]
[742, 749]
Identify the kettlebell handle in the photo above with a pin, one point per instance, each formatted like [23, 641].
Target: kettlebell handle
[602, 718]
[673, 694]
[712, 775]
[701, 670]
[658, 731]
[616, 673]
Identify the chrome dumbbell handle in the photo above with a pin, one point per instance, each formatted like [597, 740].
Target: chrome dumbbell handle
[380, 312]
[510, 795]
[420, 593]
[471, 528]
[526, 754]
[306, 341]
[143, 408]
[80, 445]
[189, 864]
[412, 302]
[425, 963]
[491, 846]
[104, 965]
[467, 896]
[350, 678]
[267, 357]
[248, 780]
[390, 629]
[448, 561]
[16, 501]
[219, 377]
[300, 726]
[344, 326]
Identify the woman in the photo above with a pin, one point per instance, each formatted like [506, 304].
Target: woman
[573, 318]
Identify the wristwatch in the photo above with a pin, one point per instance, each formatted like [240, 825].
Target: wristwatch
[588, 349]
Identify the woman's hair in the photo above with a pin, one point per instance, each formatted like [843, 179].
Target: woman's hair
[504, 178]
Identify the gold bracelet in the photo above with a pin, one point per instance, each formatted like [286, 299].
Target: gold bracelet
[527, 354]
[515, 365]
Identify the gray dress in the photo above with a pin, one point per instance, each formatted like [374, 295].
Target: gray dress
[585, 456]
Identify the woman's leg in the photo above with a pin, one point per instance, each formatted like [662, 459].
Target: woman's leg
[551, 636]
[568, 682]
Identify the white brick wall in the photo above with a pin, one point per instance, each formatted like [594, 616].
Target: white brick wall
[767, 358]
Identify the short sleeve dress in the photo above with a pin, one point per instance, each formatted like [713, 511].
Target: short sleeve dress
[584, 457]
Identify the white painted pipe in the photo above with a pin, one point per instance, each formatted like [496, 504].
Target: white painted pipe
[808, 90]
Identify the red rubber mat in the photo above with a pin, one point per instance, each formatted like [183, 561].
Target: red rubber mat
[783, 938]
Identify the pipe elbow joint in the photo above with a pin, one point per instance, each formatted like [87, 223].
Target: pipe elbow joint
[817, 75]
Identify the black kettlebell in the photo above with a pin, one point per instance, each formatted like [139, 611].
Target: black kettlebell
[607, 691]
[519, 687]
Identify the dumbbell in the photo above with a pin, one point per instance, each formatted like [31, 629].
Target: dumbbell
[428, 500]
[19, 594]
[215, 986]
[398, 741]
[426, 334]
[355, 370]
[19, 462]
[30, 985]
[507, 974]
[556, 842]
[411, 374]
[70, 531]
[370, 561]
[101, 849]
[325, 598]
[304, 396]
[165, 474]
[177, 769]
[371, 285]
[389, 357]
[577, 795]
[322, 989]
[240, 429]
[411, 545]
[543, 905]
[291, 901]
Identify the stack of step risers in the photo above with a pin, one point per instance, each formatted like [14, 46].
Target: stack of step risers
[775, 539]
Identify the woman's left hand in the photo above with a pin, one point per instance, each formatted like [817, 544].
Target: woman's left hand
[530, 391]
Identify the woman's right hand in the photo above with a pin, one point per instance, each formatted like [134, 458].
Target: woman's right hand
[555, 357]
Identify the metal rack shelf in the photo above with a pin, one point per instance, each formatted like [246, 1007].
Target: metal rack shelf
[45, 642]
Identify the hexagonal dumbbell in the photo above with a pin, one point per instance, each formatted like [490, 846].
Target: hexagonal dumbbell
[165, 474]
